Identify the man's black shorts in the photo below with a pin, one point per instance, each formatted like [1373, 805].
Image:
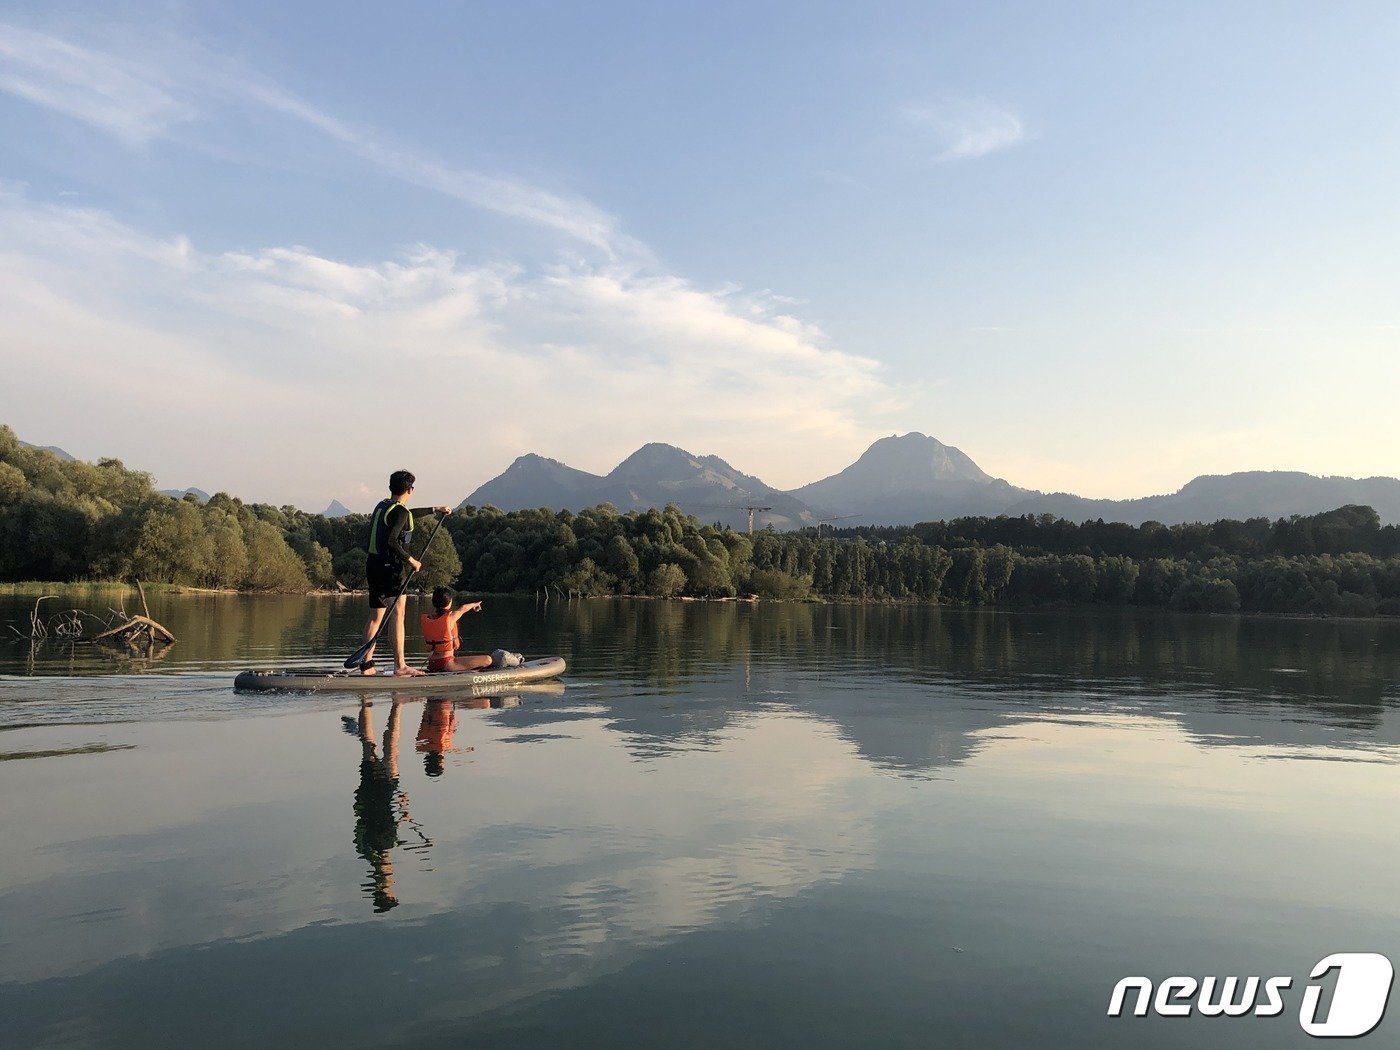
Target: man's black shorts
[385, 581]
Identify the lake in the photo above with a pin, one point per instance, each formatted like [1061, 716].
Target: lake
[743, 826]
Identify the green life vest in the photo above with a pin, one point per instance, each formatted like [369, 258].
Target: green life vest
[379, 529]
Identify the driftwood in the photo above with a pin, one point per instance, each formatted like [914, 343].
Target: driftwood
[134, 627]
[137, 629]
[66, 624]
[130, 630]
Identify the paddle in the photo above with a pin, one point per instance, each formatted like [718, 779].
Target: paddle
[359, 654]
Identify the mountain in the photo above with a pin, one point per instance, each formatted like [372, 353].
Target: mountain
[902, 480]
[533, 481]
[910, 478]
[705, 486]
[198, 494]
[50, 448]
[1247, 494]
[654, 475]
[336, 510]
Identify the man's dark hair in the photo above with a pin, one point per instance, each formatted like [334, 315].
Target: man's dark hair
[400, 481]
[442, 597]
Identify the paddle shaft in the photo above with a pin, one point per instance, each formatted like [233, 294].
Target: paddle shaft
[359, 654]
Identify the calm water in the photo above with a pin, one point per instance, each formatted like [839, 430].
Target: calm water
[735, 826]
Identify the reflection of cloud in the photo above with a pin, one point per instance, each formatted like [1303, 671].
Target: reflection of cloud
[773, 822]
[967, 128]
[651, 851]
[88, 295]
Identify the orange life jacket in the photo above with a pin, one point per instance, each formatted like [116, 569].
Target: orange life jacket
[435, 731]
[440, 632]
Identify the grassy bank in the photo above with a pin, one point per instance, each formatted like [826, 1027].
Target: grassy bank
[78, 589]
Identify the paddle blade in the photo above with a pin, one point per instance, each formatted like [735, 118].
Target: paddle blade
[359, 654]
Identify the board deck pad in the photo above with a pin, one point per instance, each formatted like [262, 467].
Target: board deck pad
[477, 682]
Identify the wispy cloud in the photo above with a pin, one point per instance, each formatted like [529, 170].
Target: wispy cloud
[583, 361]
[120, 97]
[138, 100]
[507, 196]
[966, 128]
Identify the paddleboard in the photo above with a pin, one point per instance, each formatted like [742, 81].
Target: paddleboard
[475, 683]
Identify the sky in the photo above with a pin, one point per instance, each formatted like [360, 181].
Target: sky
[281, 250]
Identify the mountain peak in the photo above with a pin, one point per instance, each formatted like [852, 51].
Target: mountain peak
[905, 478]
[533, 481]
[918, 459]
[52, 450]
[651, 460]
[532, 461]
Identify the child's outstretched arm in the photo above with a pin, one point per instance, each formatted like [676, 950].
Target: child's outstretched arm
[462, 610]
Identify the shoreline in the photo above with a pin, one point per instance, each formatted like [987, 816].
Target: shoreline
[37, 589]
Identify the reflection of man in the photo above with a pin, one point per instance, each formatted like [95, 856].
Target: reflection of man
[376, 816]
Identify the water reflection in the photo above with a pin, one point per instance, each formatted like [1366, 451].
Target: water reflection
[778, 831]
[383, 819]
[672, 677]
[381, 806]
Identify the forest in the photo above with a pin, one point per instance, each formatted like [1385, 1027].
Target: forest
[64, 520]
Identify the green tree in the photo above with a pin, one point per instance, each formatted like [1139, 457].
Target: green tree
[272, 565]
[667, 580]
[228, 564]
[13, 484]
[441, 562]
[774, 583]
[622, 562]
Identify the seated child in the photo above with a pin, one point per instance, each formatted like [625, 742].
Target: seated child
[440, 632]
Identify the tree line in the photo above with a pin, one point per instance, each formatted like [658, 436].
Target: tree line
[68, 520]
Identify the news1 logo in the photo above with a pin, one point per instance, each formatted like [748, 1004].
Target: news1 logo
[1359, 996]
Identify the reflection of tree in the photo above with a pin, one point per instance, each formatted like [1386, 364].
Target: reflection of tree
[1246, 670]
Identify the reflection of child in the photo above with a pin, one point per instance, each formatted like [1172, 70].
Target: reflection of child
[440, 632]
[435, 735]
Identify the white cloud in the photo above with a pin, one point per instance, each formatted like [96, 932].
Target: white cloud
[286, 375]
[512, 197]
[122, 98]
[140, 99]
[965, 128]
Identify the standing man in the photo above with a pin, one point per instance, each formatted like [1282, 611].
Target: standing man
[388, 565]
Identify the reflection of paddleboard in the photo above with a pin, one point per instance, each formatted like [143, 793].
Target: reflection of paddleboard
[471, 683]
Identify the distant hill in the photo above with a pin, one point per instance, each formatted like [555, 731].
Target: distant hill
[898, 480]
[1248, 494]
[534, 481]
[654, 475]
[658, 474]
[198, 494]
[910, 478]
[904, 479]
[51, 448]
